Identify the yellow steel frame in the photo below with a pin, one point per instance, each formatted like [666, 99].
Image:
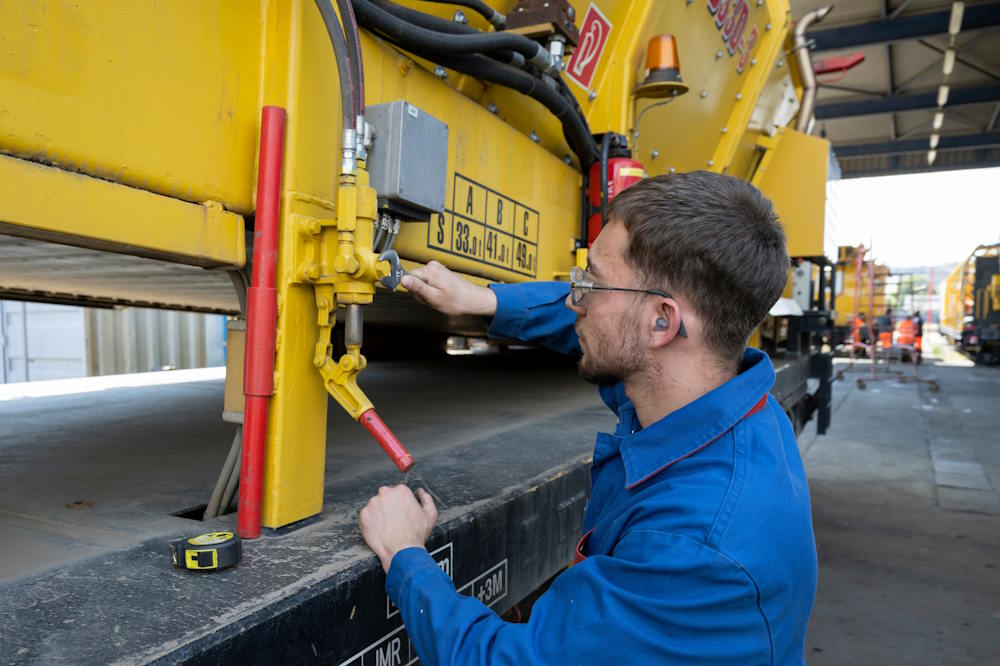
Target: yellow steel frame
[181, 123]
[46, 203]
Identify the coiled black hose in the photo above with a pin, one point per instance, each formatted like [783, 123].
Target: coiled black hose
[432, 42]
[396, 31]
[493, 16]
[347, 90]
[441, 25]
[354, 53]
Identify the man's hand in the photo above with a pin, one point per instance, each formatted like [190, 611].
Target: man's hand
[438, 287]
[394, 520]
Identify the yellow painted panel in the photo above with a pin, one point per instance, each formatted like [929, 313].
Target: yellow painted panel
[46, 203]
[795, 181]
[494, 161]
[161, 97]
[701, 129]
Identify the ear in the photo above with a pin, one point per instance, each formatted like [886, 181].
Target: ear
[664, 322]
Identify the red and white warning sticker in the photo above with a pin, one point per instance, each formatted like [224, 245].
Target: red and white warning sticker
[593, 38]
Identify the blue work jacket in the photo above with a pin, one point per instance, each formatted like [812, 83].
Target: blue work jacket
[698, 545]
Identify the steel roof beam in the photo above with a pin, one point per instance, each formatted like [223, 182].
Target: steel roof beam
[897, 103]
[976, 162]
[976, 17]
[984, 140]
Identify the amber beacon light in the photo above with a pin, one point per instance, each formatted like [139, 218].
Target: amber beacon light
[663, 70]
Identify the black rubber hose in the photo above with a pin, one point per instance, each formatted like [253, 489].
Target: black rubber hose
[575, 127]
[441, 25]
[431, 41]
[333, 29]
[493, 16]
[354, 51]
[605, 146]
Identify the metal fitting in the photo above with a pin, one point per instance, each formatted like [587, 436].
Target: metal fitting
[534, 136]
[461, 18]
[348, 142]
[557, 48]
[653, 155]
[441, 72]
[591, 95]
[361, 130]
[498, 20]
[492, 108]
[545, 61]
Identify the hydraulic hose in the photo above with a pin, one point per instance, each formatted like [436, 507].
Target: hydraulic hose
[441, 25]
[431, 42]
[498, 20]
[574, 125]
[564, 106]
[348, 107]
[354, 53]
[605, 147]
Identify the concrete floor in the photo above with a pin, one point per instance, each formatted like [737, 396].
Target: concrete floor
[83, 474]
[907, 519]
[906, 512]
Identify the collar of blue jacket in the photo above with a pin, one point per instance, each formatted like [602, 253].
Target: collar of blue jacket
[648, 451]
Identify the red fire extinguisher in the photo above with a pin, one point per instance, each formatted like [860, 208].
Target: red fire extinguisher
[621, 171]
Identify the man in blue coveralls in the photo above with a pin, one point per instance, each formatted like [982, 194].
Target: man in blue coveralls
[698, 545]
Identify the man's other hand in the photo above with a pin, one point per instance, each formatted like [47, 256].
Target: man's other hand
[395, 519]
[446, 292]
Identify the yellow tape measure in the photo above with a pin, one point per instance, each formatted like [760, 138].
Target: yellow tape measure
[207, 552]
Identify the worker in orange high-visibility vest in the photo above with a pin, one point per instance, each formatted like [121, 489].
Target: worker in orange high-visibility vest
[883, 326]
[906, 332]
[918, 342]
[859, 329]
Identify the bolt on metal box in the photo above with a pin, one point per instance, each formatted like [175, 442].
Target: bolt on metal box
[409, 159]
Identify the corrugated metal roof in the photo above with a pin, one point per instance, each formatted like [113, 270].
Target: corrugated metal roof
[896, 72]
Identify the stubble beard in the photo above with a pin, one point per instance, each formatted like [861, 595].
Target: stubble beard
[609, 361]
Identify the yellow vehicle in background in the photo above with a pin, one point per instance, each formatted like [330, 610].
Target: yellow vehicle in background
[970, 307]
[852, 298]
[284, 161]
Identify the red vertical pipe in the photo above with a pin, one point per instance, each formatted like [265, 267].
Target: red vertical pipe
[930, 298]
[262, 313]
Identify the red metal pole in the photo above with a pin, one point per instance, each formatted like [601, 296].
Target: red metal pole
[262, 313]
[930, 297]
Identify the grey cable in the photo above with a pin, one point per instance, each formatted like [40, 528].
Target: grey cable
[212, 510]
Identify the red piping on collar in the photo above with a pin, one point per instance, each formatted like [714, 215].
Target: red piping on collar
[753, 410]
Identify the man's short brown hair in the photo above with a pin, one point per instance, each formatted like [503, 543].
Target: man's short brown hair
[713, 239]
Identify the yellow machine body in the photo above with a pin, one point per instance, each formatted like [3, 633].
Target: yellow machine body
[128, 142]
[846, 304]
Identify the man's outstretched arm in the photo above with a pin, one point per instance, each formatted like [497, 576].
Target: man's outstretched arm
[662, 598]
[529, 311]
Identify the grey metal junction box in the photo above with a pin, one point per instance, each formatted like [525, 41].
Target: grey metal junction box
[408, 161]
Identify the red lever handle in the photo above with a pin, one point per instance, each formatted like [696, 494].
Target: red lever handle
[380, 431]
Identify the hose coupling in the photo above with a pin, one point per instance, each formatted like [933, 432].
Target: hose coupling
[361, 134]
[348, 144]
[545, 61]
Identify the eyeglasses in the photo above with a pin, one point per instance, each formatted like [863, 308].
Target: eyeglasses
[581, 283]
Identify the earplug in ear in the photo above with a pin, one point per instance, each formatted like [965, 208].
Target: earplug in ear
[662, 324]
